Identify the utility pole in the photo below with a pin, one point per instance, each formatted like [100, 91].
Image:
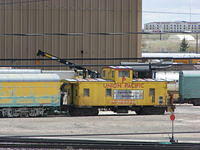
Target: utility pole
[160, 27]
[190, 10]
[197, 42]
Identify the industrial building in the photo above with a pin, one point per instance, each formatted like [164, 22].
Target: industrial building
[29, 25]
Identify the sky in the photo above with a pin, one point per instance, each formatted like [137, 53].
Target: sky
[178, 6]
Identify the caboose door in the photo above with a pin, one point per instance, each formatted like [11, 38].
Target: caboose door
[67, 94]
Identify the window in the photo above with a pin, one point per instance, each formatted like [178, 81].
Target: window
[113, 74]
[108, 92]
[160, 99]
[152, 94]
[86, 92]
[68, 92]
[104, 73]
[124, 73]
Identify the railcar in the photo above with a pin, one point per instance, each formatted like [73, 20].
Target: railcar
[33, 95]
[116, 91]
[189, 82]
[29, 95]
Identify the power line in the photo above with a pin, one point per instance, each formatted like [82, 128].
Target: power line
[98, 65]
[93, 33]
[168, 12]
[116, 58]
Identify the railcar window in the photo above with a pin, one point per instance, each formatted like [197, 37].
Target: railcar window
[69, 92]
[104, 73]
[108, 92]
[124, 73]
[86, 92]
[160, 99]
[152, 94]
[113, 74]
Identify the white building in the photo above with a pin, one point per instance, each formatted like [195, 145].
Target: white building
[181, 26]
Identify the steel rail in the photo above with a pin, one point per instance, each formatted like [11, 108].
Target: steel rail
[90, 144]
[104, 134]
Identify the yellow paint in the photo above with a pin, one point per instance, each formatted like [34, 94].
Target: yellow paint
[113, 74]
[29, 92]
[187, 61]
[98, 97]
[98, 94]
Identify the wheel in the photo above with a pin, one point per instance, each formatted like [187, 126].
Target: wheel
[93, 112]
[151, 111]
[83, 111]
[158, 111]
[196, 102]
[138, 112]
[32, 113]
[73, 112]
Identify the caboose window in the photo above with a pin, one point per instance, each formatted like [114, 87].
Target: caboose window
[152, 94]
[108, 92]
[124, 73]
[113, 74]
[86, 92]
[104, 73]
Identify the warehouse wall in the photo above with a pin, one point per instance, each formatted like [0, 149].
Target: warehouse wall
[69, 16]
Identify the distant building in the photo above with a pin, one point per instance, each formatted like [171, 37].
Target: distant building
[181, 26]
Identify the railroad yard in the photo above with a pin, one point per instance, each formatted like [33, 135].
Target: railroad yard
[109, 125]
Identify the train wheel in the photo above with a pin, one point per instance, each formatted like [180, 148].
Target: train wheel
[196, 102]
[83, 112]
[24, 114]
[151, 111]
[73, 112]
[95, 112]
[7, 112]
[138, 112]
[33, 113]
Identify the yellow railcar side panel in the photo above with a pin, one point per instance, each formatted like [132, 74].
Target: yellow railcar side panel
[29, 93]
[138, 94]
[186, 61]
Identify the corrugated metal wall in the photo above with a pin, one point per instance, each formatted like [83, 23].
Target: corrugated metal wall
[69, 16]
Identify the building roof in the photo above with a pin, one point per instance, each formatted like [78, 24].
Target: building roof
[20, 71]
[120, 67]
[194, 73]
[171, 55]
[88, 80]
[104, 80]
[177, 22]
[29, 78]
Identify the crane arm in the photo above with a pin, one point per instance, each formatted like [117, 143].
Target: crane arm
[70, 64]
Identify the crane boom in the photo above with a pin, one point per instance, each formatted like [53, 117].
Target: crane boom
[71, 65]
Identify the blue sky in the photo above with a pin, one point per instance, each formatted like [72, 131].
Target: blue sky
[179, 6]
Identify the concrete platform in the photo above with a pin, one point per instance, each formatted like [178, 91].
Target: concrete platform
[110, 126]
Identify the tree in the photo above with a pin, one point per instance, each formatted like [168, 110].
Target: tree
[184, 45]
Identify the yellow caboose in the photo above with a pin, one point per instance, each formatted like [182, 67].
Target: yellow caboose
[116, 91]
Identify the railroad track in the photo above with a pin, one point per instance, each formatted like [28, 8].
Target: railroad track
[39, 143]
